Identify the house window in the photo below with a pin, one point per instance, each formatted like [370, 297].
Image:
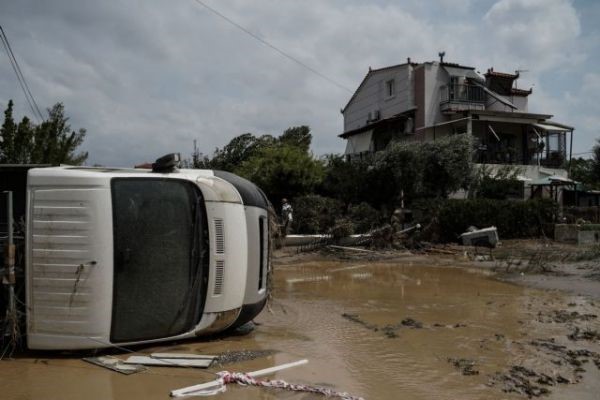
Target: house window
[390, 88]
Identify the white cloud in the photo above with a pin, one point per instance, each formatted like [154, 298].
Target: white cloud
[541, 34]
[148, 77]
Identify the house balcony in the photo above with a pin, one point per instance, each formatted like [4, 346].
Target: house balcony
[461, 97]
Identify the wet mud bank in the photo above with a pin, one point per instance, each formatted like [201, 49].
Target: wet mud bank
[552, 352]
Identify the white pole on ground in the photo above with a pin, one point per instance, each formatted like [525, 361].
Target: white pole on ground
[254, 374]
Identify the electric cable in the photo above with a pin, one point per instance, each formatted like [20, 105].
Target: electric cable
[272, 46]
[20, 77]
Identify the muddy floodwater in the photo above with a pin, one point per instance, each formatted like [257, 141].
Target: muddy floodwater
[380, 330]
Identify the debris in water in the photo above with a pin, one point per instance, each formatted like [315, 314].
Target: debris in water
[388, 330]
[170, 362]
[115, 364]
[309, 279]
[586, 334]
[526, 381]
[182, 356]
[243, 355]
[249, 379]
[355, 318]
[564, 316]
[466, 366]
[575, 358]
[411, 323]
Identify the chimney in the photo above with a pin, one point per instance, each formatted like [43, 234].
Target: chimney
[442, 54]
[408, 60]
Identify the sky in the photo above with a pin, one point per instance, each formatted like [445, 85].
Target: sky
[148, 77]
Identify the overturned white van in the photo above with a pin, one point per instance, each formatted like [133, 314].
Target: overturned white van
[130, 256]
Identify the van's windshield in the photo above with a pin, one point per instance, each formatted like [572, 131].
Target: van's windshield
[160, 258]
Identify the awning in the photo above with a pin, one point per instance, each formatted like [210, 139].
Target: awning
[466, 72]
[553, 180]
[359, 143]
[553, 128]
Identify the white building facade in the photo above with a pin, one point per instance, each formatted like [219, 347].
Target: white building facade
[430, 100]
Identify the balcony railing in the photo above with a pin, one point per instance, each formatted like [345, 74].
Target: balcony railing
[462, 93]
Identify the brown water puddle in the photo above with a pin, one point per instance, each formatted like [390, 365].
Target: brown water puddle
[464, 315]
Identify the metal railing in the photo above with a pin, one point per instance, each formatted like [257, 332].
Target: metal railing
[462, 93]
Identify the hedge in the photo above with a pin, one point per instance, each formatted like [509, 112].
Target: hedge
[447, 219]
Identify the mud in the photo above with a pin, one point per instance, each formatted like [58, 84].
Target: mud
[381, 329]
[466, 367]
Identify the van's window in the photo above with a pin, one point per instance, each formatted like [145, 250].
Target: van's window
[159, 246]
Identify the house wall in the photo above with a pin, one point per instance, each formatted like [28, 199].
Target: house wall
[371, 97]
[519, 101]
[419, 91]
[435, 77]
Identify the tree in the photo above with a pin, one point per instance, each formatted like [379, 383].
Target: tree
[241, 148]
[596, 163]
[297, 136]
[282, 171]
[415, 169]
[446, 165]
[501, 185]
[347, 181]
[582, 170]
[23, 142]
[51, 142]
[7, 132]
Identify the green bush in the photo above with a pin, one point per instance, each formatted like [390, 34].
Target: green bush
[364, 217]
[342, 228]
[447, 219]
[315, 214]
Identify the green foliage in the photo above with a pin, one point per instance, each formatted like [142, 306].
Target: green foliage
[8, 133]
[315, 214]
[582, 170]
[282, 166]
[342, 228]
[501, 186]
[240, 149]
[430, 169]
[399, 169]
[595, 173]
[297, 136]
[447, 219]
[51, 142]
[364, 217]
[347, 181]
[446, 165]
[282, 171]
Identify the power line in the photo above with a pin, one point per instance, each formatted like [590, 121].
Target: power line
[20, 77]
[272, 46]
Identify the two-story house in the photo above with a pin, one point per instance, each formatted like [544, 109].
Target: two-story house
[425, 101]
